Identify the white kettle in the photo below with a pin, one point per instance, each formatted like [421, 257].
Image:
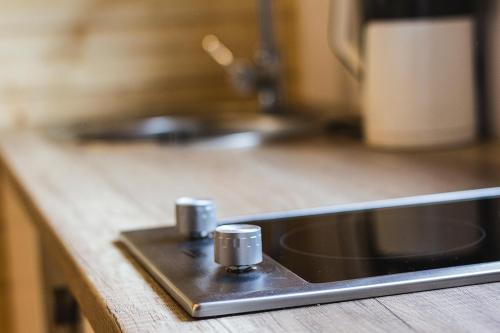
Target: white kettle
[415, 59]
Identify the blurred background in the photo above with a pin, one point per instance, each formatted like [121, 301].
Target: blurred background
[88, 60]
[64, 61]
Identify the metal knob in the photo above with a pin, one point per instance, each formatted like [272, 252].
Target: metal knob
[195, 217]
[238, 246]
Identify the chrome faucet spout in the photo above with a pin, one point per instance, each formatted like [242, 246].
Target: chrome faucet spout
[266, 26]
[263, 76]
[269, 89]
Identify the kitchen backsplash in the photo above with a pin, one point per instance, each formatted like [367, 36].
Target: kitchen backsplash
[67, 60]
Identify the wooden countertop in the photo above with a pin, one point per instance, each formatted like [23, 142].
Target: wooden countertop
[82, 196]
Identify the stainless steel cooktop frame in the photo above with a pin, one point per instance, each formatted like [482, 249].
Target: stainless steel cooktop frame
[186, 269]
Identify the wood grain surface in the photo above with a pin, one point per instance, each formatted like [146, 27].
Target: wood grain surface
[82, 196]
[26, 302]
[71, 60]
[4, 287]
[64, 61]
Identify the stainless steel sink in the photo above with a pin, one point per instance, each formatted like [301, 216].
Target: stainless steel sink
[222, 130]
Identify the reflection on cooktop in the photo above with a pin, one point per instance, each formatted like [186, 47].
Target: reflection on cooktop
[352, 245]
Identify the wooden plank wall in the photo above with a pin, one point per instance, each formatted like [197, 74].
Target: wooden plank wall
[61, 60]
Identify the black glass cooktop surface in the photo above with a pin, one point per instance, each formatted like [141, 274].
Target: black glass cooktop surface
[344, 246]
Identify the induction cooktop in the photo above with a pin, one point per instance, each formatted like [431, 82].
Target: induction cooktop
[322, 255]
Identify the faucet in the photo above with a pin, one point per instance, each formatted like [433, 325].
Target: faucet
[262, 75]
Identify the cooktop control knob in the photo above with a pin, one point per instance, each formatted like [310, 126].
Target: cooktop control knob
[195, 217]
[238, 247]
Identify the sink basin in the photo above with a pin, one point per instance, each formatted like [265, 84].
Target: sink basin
[234, 130]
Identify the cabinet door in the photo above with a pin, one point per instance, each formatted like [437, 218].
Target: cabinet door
[24, 273]
[31, 276]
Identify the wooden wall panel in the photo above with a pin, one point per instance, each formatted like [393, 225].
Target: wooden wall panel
[64, 60]
[67, 59]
